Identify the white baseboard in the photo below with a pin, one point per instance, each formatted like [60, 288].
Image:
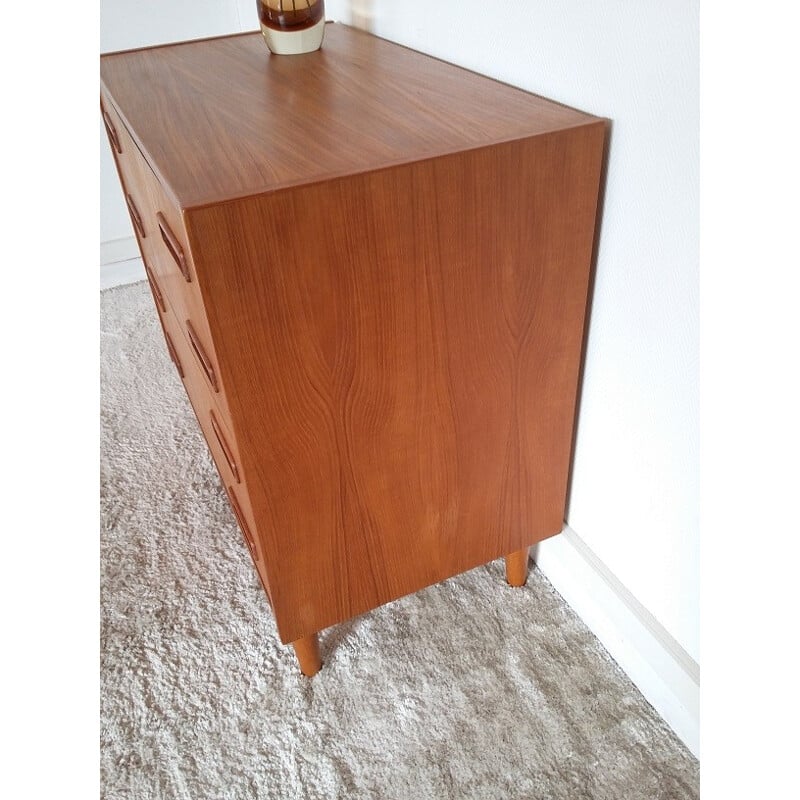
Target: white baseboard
[115, 250]
[659, 667]
[120, 262]
[121, 272]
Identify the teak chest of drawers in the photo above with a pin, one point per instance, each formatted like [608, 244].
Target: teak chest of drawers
[371, 269]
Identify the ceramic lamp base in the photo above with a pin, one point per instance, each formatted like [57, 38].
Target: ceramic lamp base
[290, 43]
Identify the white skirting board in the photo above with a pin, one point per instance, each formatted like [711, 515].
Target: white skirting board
[120, 263]
[121, 272]
[659, 667]
[113, 250]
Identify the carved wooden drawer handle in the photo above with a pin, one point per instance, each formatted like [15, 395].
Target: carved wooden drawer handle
[226, 450]
[174, 246]
[173, 354]
[112, 131]
[237, 512]
[154, 287]
[135, 216]
[205, 361]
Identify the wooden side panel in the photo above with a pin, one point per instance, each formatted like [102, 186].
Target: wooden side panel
[408, 342]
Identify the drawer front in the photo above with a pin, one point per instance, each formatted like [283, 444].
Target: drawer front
[168, 255]
[165, 252]
[170, 273]
[218, 436]
[114, 128]
[172, 258]
[213, 420]
[133, 177]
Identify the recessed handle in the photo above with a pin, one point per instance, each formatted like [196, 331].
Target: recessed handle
[205, 361]
[135, 216]
[111, 130]
[174, 247]
[154, 288]
[237, 512]
[173, 354]
[226, 450]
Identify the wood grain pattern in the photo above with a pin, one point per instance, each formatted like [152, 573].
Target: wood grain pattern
[307, 650]
[409, 370]
[154, 212]
[222, 118]
[141, 186]
[210, 420]
[144, 192]
[517, 567]
[389, 261]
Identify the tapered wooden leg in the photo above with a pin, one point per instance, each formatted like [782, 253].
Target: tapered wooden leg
[517, 567]
[307, 651]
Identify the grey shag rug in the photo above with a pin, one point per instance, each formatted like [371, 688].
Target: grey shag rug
[468, 689]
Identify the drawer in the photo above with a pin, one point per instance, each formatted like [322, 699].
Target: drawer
[132, 170]
[170, 273]
[158, 295]
[219, 438]
[165, 251]
[114, 127]
[135, 177]
[214, 420]
[167, 254]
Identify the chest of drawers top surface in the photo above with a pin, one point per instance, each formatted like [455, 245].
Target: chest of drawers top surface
[222, 118]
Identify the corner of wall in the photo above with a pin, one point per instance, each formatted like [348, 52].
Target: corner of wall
[658, 666]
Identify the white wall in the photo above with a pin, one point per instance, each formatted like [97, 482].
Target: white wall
[634, 501]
